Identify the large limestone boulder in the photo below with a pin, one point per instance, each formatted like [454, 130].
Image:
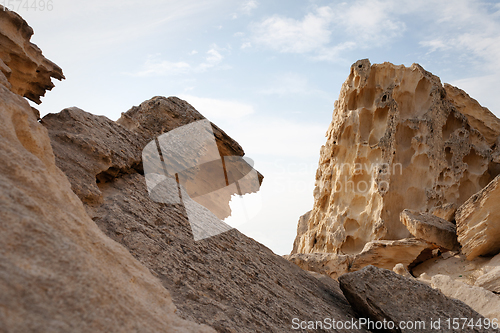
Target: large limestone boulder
[431, 228]
[383, 295]
[228, 281]
[396, 141]
[478, 222]
[25, 71]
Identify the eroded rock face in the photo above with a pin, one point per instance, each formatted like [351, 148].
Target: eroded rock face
[368, 291]
[23, 68]
[58, 271]
[478, 222]
[431, 229]
[229, 281]
[108, 150]
[396, 142]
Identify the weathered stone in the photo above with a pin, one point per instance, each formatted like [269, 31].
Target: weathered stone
[229, 281]
[331, 264]
[478, 222]
[454, 265]
[479, 117]
[301, 229]
[107, 150]
[401, 270]
[58, 271]
[431, 228]
[481, 300]
[23, 68]
[396, 141]
[446, 212]
[380, 294]
[386, 254]
[383, 253]
[490, 280]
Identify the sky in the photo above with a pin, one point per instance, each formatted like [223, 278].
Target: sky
[266, 72]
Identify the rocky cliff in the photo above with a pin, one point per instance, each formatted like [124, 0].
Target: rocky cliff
[408, 181]
[396, 141]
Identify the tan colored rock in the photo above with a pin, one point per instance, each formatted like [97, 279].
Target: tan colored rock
[382, 253]
[23, 68]
[455, 266]
[483, 301]
[301, 229]
[331, 264]
[446, 212]
[431, 229]
[387, 254]
[478, 222]
[396, 141]
[59, 272]
[229, 282]
[401, 270]
[479, 117]
[490, 280]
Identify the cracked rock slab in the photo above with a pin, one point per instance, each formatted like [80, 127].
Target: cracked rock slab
[380, 294]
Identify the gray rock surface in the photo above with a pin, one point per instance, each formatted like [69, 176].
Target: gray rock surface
[380, 294]
[229, 281]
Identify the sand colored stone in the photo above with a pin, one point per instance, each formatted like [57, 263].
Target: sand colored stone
[478, 222]
[431, 228]
[396, 141]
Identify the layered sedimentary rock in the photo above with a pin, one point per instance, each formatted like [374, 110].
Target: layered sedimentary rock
[431, 229]
[381, 253]
[478, 222]
[58, 271]
[229, 281]
[396, 141]
[25, 71]
[370, 289]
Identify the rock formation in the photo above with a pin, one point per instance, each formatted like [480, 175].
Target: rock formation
[229, 281]
[25, 70]
[369, 289]
[58, 271]
[396, 142]
[478, 222]
[85, 248]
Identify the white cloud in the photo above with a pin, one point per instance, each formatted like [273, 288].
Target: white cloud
[323, 30]
[249, 6]
[217, 109]
[246, 45]
[155, 66]
[295, 36]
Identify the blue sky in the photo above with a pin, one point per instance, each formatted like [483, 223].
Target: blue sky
[267, 73]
